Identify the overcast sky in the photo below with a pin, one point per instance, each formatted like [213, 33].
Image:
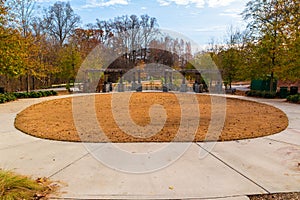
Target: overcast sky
[199, 20]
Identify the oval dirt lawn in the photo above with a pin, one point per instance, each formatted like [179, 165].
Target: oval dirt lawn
[54, 119]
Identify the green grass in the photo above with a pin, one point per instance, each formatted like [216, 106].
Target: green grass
[15, 187]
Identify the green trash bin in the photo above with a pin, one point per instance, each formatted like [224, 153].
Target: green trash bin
[293, 90]
[283, 93]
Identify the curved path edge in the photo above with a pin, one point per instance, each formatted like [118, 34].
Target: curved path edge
[231, 170]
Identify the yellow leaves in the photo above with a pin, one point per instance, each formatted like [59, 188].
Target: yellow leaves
[19, 55]
[171, 187]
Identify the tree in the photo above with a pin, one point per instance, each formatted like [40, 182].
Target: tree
[10, 45]
[149, 29]
[267, 24]
[3, 14]
[23, 11]
[290, 28]
[69, 62]
[229, 55]
[105, 27]
[61, 21]
[86, 39]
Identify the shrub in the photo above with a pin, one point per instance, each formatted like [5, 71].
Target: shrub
[263, 94]
[34, 95]
[53, 92]
[18, 95]
[68, 87]
[269, 95]
[21, 95]
[7, 97]
[294, 98]
[42, 93]
[48, 93]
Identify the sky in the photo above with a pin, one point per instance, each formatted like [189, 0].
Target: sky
[199, 20]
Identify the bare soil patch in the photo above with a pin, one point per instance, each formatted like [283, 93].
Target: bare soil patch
[54, 119]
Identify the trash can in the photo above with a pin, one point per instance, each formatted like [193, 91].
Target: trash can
[110, 86]
[283, 93]
[165, 88]
[139, 88]
[196, 88]
[1, 90]
[104, 88]
[293, 90]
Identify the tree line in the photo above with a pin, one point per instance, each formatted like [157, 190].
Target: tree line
[267, 49]
[49, 49]
[41, 49]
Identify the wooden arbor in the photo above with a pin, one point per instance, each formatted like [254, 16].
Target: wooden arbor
[100, 80]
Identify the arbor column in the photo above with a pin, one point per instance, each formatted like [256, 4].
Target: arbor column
[121, 85]
[133, 84]
[183, 87]
[139, 87]
[171, 80]
[165, 82]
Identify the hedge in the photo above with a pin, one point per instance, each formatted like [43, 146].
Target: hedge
[294, 98]
[263, 94]
[6, 97]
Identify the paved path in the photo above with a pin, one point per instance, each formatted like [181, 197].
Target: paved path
[231, 170]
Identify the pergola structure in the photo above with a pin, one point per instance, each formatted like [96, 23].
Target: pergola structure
[134, 77]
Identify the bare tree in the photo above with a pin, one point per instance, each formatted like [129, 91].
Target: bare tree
[105, 28]
[61, 21]
[23, 10]
[149, 28]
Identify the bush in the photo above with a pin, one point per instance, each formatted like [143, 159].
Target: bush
[269, 95]
[34, 95]
[294, 98]
[262, 94]
[42, 93]
[68, 87]
[21, 95]
[53, 92]
[48, 93]
[7, 97]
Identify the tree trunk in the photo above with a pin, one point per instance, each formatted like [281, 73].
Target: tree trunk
[271, 82]
[28, 82]
[33, 82]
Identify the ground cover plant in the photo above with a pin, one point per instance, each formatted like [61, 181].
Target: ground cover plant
[14, 186]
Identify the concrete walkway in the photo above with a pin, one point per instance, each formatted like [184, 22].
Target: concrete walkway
[231, 170]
